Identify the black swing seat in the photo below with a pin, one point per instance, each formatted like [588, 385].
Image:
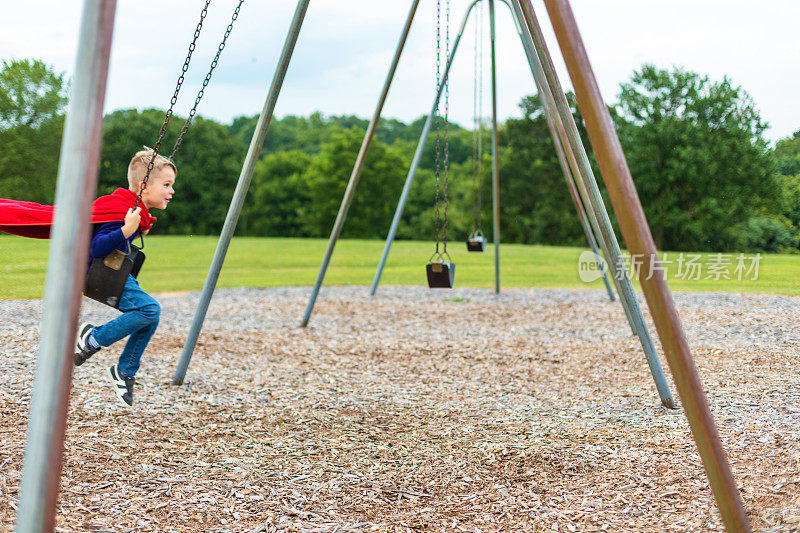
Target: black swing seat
[107, 275]
[441, 274]
[476, 243]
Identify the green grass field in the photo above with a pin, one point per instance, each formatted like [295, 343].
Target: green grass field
[180, 263]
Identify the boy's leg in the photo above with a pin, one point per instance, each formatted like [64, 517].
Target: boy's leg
[122, 374]
[139, 311]
[132, 353]
[139, 320]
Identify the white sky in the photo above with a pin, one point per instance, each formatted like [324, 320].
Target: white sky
[345, 48]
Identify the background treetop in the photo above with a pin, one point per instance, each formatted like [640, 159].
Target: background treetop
[30, 93]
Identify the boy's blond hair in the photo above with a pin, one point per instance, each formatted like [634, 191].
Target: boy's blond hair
[137, 168]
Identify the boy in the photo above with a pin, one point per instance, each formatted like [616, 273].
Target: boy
[140, 311]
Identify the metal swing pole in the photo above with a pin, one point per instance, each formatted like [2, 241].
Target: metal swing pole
[66, 271]
[417, 156]
[358, 167]
[590, 193]
[576, 200]
[241, 190]
[578, 174]
[547, 107]
[588, 187]
[495, 158]
[637, 234]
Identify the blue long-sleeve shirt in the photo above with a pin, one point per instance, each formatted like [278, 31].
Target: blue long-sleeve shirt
[109, 237]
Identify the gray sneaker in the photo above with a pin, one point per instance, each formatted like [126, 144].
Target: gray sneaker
[83, 350]
[123, 387]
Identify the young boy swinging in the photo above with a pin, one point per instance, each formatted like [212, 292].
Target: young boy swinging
[140, 311]
[117, 221]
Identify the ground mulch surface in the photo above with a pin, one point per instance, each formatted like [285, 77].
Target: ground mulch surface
[416, 410]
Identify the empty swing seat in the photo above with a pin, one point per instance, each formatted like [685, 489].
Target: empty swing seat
[476, 244]
[441, 274]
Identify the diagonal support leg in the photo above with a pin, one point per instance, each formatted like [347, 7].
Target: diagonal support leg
[582, 175]
[357, 168]
[591, 196]
[560, 153]
[241, 191]
[66, 271]
[637, 235]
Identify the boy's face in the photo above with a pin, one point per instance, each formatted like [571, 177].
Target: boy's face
[159, 189]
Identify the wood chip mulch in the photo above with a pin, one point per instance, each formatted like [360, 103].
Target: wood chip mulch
[416, 410]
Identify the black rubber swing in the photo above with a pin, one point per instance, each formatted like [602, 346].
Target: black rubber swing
[476, 242]
[441, 274]
[107, 275]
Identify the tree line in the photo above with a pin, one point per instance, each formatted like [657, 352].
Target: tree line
[706, 176]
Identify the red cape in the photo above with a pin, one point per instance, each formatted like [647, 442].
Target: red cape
[30, 219]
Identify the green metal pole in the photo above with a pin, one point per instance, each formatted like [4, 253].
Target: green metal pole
[239, 194]
[589, 188]
[66, 271]
[495, 158]
[583, 176]
[551, 117]
[357, 168]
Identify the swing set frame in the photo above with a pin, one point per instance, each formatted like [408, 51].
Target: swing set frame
[76, 186]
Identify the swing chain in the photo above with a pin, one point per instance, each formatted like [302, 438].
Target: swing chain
[172, 102]
[446, 124]
[207, 79]
[477, 124]
[480, 122]
[438, 132]
[475, 120]
[441, 164]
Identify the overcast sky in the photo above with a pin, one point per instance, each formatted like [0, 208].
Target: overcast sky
[345, 48]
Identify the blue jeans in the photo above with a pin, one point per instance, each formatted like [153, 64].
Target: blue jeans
[139, 319]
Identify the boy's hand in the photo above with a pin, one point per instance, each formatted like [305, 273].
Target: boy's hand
[132, 220]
